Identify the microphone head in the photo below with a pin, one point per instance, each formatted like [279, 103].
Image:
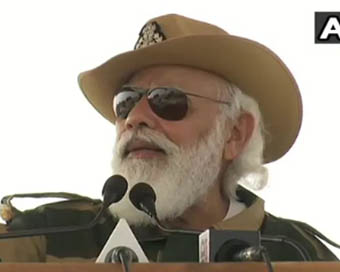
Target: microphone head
[230, 249]
[114, 189]
[143, 197]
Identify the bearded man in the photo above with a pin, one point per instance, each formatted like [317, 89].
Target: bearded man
[197, 111]
[186, 160]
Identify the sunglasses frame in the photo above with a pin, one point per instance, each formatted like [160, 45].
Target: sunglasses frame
[146, 92]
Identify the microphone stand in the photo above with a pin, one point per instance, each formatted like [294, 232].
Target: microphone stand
[123, 255]
[162, 227]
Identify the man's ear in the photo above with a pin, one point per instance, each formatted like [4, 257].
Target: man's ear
[239, 136]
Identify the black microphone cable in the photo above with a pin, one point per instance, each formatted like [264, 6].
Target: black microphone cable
[255, 253]
[266, 258]
[283, 239]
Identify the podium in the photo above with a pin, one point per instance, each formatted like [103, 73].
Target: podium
[172, 267]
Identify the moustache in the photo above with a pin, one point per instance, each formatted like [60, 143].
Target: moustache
[144, 137]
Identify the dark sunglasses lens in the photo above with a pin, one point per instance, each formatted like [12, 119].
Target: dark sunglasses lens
[169, 104]
[124, 102]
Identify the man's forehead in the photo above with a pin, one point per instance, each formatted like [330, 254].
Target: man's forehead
[185, 77]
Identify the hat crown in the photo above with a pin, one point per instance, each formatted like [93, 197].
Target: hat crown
[172, 26]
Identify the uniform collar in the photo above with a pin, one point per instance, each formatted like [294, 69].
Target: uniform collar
[249, 219]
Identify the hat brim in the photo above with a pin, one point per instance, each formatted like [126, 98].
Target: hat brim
[254, 68]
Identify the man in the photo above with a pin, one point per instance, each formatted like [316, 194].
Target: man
[196, 112]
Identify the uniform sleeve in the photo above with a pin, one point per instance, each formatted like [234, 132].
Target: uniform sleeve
[298, 232]
[27, 249]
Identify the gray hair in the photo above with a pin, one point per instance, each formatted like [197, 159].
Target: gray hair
[246, 169]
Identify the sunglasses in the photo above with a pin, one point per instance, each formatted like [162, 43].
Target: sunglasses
[167, 103]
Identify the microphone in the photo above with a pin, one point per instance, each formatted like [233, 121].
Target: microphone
[143, 197]
[122, 243]
[123, 255]
[113, 191]
[251, 254]
[214, 245]
[226, 245]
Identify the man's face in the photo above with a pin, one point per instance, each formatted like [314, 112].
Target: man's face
[201, 114]
[179, 159]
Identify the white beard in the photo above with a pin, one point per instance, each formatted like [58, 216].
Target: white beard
[180, 180]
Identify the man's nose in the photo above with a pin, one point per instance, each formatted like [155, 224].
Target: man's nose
[141, 115]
